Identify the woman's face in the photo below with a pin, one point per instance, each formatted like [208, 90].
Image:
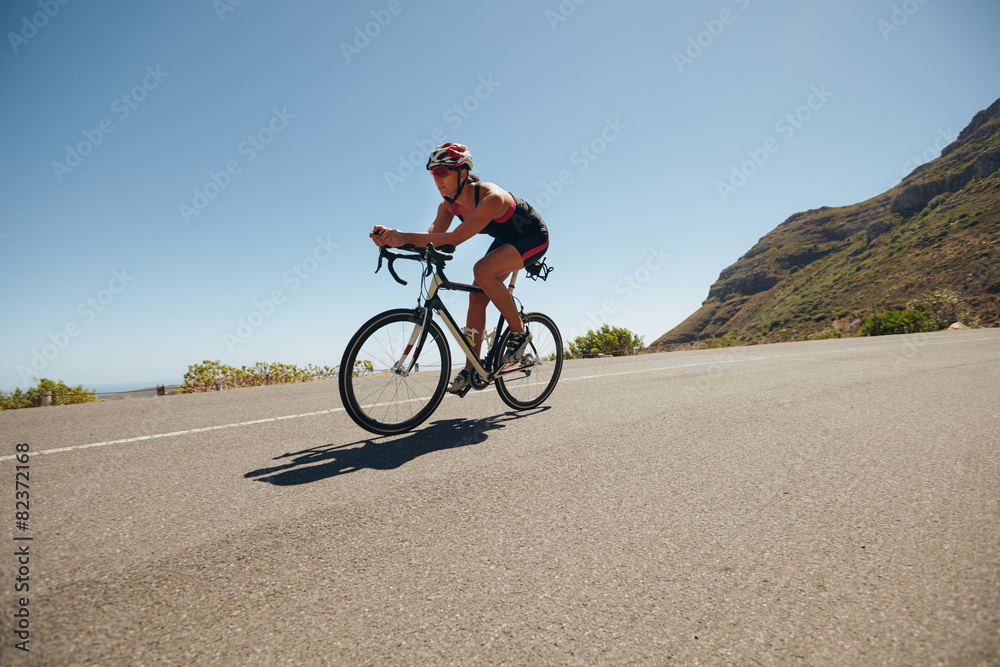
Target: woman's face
[447, 185]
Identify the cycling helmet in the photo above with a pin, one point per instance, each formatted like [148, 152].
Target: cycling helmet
[450, 155]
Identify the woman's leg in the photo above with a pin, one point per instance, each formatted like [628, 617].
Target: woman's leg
[476, 319]
[491, 274]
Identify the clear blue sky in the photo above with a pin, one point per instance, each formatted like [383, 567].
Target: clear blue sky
[170, 169]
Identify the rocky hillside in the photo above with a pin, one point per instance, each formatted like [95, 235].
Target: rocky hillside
[822, 271]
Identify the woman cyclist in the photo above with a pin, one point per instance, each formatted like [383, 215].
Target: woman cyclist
[519, 233]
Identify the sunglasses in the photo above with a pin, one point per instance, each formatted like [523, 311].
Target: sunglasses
[440, 172]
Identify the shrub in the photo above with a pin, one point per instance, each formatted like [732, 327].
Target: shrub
[945, 306]
[897, 322]
[613, 341]
[716, 343]
[61, 395]
[215, 376]
[938, 200]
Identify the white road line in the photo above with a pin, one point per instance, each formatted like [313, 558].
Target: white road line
[204, 429]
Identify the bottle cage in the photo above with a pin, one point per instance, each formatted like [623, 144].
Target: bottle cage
[538, 270]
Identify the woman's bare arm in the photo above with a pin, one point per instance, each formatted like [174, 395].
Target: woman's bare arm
[491, 206]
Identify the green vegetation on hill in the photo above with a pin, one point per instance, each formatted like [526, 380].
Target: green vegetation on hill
[823, 272]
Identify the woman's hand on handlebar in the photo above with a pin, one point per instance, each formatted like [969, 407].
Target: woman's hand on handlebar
[383, 236]
[377, 235]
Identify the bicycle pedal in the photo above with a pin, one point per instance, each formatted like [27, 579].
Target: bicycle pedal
[464, 390]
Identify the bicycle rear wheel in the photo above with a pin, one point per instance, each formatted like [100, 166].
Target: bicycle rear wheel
[390, 383]
[529, 382]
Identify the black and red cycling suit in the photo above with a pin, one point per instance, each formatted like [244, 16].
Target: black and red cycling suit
[521, 226]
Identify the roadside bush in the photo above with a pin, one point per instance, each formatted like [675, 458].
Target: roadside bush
[716, 343]
[898, 322]
[61, 395]
[608, 340]
[216, 376]
[945, 306]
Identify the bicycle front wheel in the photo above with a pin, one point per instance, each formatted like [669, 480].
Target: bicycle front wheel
[529, 382]
[390, 381]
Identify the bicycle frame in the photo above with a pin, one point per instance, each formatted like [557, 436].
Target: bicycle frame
[433, 303]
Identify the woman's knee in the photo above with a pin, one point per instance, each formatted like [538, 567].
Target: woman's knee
[497, 265]
[483, 271]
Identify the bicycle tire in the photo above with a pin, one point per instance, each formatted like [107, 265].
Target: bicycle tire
[528, 384]
[384, 401]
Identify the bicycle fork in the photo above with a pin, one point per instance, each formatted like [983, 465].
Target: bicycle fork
[406, 362]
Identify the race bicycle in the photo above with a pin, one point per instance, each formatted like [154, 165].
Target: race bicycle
[396, 368]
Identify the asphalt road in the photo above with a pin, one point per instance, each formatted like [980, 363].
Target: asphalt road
[831, 502]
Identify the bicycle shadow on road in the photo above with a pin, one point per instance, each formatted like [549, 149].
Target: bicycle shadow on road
[387, 453]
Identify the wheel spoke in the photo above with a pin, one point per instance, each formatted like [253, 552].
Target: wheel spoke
[387, 401]
[528, 385]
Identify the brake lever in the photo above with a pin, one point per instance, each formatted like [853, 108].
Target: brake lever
[382, 253]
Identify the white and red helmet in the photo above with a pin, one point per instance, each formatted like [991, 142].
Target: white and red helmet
[450, 155]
